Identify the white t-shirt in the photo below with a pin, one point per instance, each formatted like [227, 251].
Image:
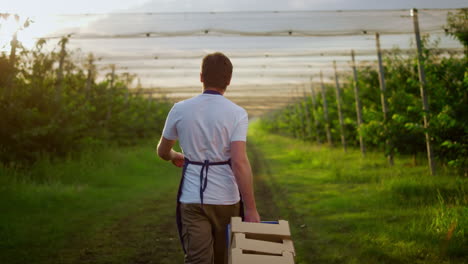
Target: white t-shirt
[205, 126]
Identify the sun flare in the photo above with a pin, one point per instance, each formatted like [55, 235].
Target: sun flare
[28, 30]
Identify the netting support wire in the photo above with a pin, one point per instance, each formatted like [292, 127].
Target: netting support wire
[226, 32]
[422, 85]
[358, 105]
[325, 111]
[383, 98]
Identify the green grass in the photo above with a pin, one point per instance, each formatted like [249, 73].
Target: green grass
[56, 205]
[117, 206]
[347, 209]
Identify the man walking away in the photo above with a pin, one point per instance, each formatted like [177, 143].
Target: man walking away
[216, 182]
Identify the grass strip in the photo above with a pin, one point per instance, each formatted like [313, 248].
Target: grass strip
[344, 208]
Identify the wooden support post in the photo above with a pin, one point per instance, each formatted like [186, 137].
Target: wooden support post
[325, 111]
[14, 45]
[90, 77]
[313, 113]
[297, 114]
[358, 105]
[307, 114]
[422, 85]
[300, 111]
[12, 61]
[127, 92]
[383, 99]
[112, 80]
[110, 92]
[62, 54]
[290, 114]
[339, 107]
[150, 98]
[290, 119]
[294, 114]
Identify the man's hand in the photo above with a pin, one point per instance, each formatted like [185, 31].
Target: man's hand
[251, 216]
[166, 152]
[178, 159]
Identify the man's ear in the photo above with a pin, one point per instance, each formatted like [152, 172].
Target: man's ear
[201, 77]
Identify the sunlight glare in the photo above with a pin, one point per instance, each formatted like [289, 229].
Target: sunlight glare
[41, 27]
[8, 27]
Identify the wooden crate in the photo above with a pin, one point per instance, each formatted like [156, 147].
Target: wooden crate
[241, 241]
[260, 243]
[239, 256]
[263, 231]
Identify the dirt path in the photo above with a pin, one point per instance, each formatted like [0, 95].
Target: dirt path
[263, 193]
[273, 205]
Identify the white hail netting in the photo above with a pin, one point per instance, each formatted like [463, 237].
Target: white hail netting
[273, 52]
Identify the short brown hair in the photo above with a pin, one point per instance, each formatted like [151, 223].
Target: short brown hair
[216, 70]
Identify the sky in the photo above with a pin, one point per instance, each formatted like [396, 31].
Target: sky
[43, 7]
[146, 48]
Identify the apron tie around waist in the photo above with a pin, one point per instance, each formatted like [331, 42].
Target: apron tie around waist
[203, 184]
[204, 173]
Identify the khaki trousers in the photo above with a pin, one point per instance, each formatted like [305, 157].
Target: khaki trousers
[204, 232]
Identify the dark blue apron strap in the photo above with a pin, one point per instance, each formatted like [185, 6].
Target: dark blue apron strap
[178, 213]
[203, 179]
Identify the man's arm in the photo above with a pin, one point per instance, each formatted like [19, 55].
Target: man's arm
[243, 173]
[166, 152]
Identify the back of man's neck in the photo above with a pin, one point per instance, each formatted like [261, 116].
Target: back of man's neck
[221, 91]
